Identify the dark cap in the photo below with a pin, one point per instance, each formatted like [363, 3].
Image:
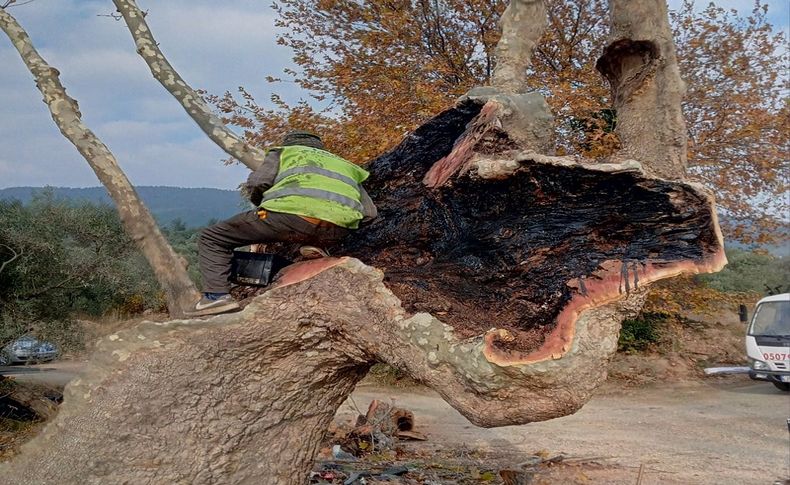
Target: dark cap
[303, 138]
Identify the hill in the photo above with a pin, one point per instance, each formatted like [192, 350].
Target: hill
[194, 206]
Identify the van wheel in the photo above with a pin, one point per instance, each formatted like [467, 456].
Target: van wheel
[782, 386]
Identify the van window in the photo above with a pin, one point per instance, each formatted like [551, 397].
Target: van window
[771, 319]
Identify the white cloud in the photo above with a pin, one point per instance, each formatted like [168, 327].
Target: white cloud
[216, 47]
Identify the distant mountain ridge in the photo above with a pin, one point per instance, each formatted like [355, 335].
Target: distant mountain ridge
[194, 206]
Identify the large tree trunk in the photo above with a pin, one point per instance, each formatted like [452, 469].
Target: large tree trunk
[647, 90]
[516, 241]
[168, 267]
[242, 398]
[505, 274]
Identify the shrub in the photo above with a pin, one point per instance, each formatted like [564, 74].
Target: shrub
[72, 259]
[640, 333]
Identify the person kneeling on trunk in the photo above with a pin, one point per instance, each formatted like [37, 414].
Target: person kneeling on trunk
[304, 194]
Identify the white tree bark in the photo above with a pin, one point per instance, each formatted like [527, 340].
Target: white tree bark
[647, 90]
[168, 267]
[523, 22]
[193, 103]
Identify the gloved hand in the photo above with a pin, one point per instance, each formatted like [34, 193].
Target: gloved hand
[253, 194]
[256, 196]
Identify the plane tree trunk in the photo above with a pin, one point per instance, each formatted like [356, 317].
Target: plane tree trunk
[169, 268]
[503, 276]
[647, 90]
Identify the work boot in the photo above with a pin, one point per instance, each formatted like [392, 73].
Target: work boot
[214, 303]
[312, 252]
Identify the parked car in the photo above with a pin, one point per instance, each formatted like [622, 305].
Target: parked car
[28, 349]
[768, 341]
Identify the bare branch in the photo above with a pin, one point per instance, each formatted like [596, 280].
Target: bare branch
[13, 3]
[7, 262]
[135, 216]
[193, 103]
[112, 15]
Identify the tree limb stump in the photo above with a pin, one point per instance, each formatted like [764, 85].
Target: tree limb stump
[484, 234]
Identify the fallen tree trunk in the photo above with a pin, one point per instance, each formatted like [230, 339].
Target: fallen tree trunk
[504, 278]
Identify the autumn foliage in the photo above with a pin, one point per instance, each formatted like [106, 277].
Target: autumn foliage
[380, 68]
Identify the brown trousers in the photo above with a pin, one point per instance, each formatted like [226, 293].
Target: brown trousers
[216, 243]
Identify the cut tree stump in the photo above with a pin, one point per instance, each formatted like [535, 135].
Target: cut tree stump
[503, 276]
[481, 231]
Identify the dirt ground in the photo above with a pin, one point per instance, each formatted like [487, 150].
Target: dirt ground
[721, 431]
[658, 416]
[714, 431]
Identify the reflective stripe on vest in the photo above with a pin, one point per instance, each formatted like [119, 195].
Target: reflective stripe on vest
[316, 194]
[319, 171]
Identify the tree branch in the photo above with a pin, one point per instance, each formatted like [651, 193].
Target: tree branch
[191, 101]
[135, 216]
[15, 254]
[523, 22]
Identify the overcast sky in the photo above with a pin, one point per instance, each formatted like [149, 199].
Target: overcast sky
[215, 46]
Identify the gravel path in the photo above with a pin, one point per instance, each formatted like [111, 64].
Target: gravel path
[722, 431]
[731, 431]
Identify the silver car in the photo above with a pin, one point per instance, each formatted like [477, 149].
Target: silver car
[28, 349]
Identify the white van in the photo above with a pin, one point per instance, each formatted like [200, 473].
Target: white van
[768, 341]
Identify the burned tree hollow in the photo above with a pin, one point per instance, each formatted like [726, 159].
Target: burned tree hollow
[519, 251]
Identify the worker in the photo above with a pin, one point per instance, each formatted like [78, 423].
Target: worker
[304, 194]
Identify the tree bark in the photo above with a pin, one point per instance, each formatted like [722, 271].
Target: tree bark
[168, 267]
[522, 23]
[526, 263]
[193, 103]
[505, 274]
[647, 90]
